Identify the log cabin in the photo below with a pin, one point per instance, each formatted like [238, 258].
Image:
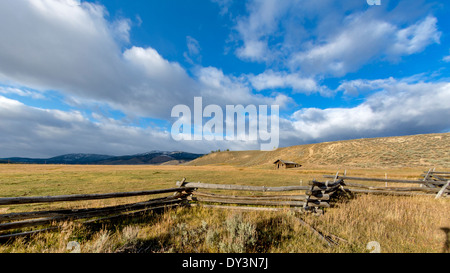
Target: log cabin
[284, 164]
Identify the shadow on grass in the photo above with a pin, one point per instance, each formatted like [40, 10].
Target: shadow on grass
[446, 248]
[270, 233]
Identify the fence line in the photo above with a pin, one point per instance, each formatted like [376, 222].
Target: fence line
[80, 197]
[312, 199]
[48, 218]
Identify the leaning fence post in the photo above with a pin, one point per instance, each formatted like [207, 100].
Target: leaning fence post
[181, 183]
[336, 176]
[439, 194]
[426, 178]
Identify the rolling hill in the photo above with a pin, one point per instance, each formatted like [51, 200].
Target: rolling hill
[427, 150]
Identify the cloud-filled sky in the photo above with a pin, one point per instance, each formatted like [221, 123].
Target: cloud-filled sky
[103, 76]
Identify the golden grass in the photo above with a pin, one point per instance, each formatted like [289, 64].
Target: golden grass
[399, 224]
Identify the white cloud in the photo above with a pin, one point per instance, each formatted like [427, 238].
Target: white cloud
[224, 5]
[362, 40]
[193, 45]
[355, 87]
[21, 92]
[59, 46]
[221, 89]
[70, 47]
[121, 29]
[151, 64]
[271, 80]
[416, 37]
[253, 50]
[255, 29]
[354, 46]
[331, 37]
[400, 108]
[193, 52]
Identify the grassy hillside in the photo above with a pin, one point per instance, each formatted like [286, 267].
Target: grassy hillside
[430, 150]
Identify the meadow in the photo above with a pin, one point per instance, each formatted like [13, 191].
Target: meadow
[398, 224]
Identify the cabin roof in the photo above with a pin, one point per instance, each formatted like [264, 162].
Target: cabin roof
[285, 162]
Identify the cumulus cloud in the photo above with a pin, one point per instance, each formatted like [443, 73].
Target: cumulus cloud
[70, 47]
[60, 46]
[361, 41]
[399, 108]
[329, 37]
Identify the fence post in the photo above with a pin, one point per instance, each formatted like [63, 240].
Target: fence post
[439, 194]
[426, 178]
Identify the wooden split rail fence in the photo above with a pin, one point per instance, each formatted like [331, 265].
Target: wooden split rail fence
[316, 196]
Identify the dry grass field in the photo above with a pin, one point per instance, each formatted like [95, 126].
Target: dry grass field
[399, 224]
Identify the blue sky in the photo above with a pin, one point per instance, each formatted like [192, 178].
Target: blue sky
[103, 76]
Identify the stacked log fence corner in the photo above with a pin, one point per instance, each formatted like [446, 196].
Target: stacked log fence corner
[314, 199]
[433, 183]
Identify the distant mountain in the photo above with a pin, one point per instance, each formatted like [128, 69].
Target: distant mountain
[62, 159]
[153, 157]
[77, 159]
[149, 158]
